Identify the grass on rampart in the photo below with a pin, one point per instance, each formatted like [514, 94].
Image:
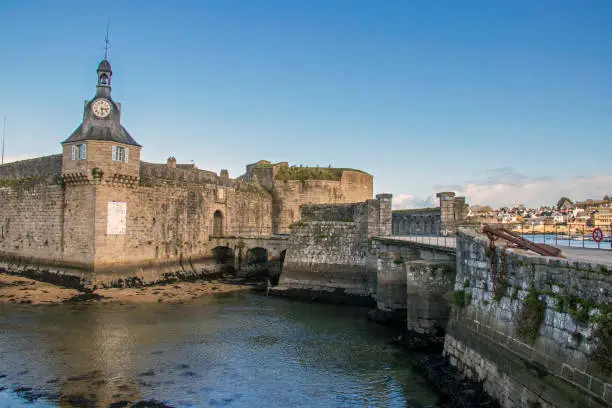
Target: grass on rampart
[25, 182]
[311, 173]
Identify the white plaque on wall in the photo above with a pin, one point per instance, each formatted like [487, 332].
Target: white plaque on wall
[117, 218]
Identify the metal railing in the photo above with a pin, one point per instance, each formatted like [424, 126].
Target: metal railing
[564, 235]
[433, 240]
[551, 234]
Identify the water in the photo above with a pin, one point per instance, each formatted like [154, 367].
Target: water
[239, 350]
[561, 240]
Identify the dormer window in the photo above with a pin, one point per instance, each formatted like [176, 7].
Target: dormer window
[79, 152]
[121, 154]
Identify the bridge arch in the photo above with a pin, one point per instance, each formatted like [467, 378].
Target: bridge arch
[224, 257]
[257, 257]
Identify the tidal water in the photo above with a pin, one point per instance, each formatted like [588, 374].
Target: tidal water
[564, 241]
[237, 350]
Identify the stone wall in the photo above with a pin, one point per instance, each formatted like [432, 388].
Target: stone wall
[38, 167]
[290, 195]
[50, 229]
[421, 221]
[31, 219]
[168, 228]
[46, 230]
[156, 172]
[170, 213]
[536, 330]
[327, 260]
[329, 251]
[332, 212]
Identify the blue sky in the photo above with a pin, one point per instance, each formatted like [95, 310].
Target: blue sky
[505, 102]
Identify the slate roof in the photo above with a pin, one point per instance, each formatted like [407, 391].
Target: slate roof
[105, 66]
[102, 133]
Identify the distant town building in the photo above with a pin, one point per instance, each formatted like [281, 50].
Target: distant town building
[601, 218]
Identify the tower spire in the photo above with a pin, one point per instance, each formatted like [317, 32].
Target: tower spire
[106, 42]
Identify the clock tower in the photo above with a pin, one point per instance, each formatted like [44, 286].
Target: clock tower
[101, 150]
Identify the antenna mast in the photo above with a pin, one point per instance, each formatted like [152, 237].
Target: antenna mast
[106, 40]
[3, 136]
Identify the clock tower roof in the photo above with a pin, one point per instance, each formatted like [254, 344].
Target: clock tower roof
[96, 132]
[101, 115]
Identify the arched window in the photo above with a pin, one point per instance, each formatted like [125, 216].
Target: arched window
[104, 79]
[218, 223]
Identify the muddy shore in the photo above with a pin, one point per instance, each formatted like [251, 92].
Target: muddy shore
[17, 289]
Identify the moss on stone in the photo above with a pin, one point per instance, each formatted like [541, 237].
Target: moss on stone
[461, 298]
[515, 293]
[579, 309]
[531, 317]
[500, 289]
[263, 166]
[602, 355]
[22, 183]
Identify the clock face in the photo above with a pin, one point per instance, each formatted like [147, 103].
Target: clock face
[101, 108]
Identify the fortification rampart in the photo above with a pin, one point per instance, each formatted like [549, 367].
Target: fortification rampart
[290, 195]
[40, 167]
[536, 330]
[97, 214]
[157, 172]
[60, 231]
[442, 220]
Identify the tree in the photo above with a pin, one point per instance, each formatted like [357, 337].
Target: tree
[563, 201]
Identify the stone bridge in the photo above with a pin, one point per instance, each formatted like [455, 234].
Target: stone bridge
[415, 276]
[250, 256]
[409, 278]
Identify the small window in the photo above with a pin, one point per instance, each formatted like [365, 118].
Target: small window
[121, 154]
[79, 152]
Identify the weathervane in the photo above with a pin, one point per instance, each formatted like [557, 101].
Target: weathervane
[106, 40]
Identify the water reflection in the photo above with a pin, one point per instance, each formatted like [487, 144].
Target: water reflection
[239, 350]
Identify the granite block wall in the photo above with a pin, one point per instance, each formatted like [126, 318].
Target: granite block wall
[534, 329]
[327, 259]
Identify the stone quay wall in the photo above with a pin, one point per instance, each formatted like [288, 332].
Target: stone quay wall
[327, 260]
[535, 330]
[328, 254]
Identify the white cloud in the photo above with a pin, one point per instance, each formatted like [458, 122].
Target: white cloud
[503, 187]
[406, 201]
